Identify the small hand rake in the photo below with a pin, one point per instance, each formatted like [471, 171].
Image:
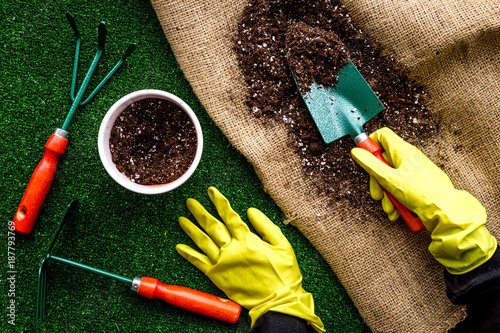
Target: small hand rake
[182, 297]
[43, 176]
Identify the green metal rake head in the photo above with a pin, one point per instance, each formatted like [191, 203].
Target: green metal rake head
[100, 49]
[42, 271]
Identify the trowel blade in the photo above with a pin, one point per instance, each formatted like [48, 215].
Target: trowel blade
[344, 109]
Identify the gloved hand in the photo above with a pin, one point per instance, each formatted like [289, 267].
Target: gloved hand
[460, 240]
[260, 274]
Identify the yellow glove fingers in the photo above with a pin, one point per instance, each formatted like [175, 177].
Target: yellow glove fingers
[393, 216]
[393, 145]
[214, 228]
[202, 240]
[378, 194]
[269, 231]
[389, 208]
[387, 205]
[398, 152]
[200, 261]
[375, 189]
[387, 158]
[373, 166]
[248, 270]
[233, 221]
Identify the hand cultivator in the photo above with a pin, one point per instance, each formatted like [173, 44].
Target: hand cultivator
[43, 176]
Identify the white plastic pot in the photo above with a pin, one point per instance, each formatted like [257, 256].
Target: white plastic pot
[105, 132]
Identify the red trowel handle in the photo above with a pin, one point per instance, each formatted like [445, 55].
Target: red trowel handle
[39, 185]
[191, 300]
[412, 222]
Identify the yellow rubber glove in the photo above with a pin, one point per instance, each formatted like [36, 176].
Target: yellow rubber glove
[260, 274]
[460, 240]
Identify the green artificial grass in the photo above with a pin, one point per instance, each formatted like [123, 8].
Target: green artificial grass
[114, 229]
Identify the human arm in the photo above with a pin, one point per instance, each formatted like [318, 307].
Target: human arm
[460, 240]
[455, 219]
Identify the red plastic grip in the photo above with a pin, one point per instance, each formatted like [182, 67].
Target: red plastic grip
[39, 185]
[191, 300]
[411, 221]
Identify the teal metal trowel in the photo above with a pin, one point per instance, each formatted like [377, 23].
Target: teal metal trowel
[343, 110]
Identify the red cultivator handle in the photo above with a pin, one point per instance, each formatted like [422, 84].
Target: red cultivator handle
[188, 299]
[411, 221]
[40, 182]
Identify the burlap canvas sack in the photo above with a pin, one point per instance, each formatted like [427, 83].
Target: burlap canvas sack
[453, 49]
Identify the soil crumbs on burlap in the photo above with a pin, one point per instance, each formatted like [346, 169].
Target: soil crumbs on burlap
[261, 47]
[153, 141]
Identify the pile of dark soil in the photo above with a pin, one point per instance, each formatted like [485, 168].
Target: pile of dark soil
[260, 44]
[153, 141]
[314, 55]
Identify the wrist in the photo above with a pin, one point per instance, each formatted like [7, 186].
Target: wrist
[292, 300]
[451, 210]
[463, 251]
[460, 239]
[272, 322]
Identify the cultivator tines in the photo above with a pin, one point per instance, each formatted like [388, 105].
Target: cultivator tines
[102, 31]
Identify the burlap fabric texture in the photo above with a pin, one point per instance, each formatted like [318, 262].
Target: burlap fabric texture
[450, 47]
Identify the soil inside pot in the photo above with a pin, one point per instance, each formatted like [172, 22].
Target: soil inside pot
[260, 44]
[153, 141]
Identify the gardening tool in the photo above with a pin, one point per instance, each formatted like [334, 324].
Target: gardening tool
[182, 297]
[343, 110]
[43, 176]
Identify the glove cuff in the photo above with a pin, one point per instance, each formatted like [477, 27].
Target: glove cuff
[460, 239]
[464, 251]
[294, 301]
[471, 251]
